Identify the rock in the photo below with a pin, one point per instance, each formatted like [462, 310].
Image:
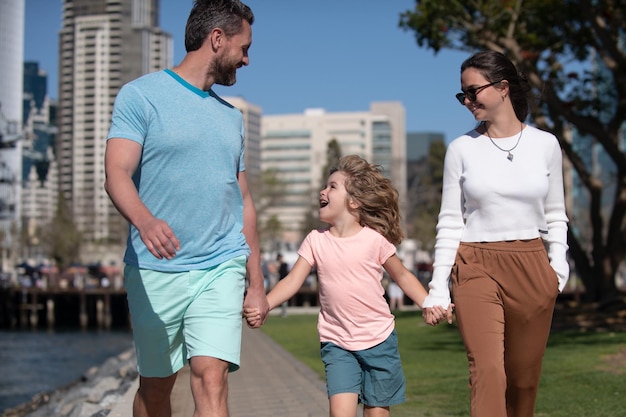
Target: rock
[94, 395]
[102, 388]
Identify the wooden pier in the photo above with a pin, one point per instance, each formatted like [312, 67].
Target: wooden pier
[34, 307]
[86, 307]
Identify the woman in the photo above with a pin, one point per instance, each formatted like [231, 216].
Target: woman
[502, 206]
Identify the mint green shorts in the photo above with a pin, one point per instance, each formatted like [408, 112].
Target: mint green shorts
[176, 316]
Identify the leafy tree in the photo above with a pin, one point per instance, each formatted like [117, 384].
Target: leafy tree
[270, 232]
[333, 155]
[268, 192]
[572, 52]
[311, 219]
[62, 238]
[424, 194]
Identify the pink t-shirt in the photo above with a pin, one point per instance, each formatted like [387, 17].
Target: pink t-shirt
[354, 313]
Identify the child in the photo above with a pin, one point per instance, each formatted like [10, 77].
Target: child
[359, 345]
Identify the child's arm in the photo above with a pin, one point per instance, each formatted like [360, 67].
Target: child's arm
[289, 286]
[405, 280]
[411, 286]
[283, 291]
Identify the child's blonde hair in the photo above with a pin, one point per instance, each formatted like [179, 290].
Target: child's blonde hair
[376, 196]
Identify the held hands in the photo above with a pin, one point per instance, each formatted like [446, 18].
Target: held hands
[255, 304]
[253, 316]
[434, 315]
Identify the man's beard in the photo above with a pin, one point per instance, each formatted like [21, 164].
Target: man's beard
[223, 72]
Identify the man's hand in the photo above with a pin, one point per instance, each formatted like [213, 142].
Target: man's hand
[256, 300]
[159, 238]
[253, 316]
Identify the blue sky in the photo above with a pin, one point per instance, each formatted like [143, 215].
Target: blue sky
[339, 55]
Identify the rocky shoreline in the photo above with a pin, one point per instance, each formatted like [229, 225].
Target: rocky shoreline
[94, 395]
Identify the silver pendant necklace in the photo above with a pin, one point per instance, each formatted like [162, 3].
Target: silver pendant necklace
[509, 155]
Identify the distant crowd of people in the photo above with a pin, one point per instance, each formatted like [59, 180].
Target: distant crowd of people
[45, 276]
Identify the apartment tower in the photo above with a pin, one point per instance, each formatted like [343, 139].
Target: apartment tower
[103, 44]
[11, 73]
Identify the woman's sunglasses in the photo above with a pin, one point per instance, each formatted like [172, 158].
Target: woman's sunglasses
[471, 93]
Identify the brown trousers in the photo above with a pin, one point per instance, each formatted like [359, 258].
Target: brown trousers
[504, 295]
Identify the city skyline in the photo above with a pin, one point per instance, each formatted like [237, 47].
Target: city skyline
[104, 44]
[306, 57]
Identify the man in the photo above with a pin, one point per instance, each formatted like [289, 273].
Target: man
[175, 170]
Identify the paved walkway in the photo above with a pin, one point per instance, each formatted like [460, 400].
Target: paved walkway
[270, 383]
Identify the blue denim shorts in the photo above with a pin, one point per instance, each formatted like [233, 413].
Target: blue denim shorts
[176, 316]
[375, 374]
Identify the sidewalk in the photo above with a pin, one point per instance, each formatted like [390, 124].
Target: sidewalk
[270, 383]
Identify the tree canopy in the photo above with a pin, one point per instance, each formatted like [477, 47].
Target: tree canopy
[311, 218]
[424, 194]
[573, 54]
[62, 238]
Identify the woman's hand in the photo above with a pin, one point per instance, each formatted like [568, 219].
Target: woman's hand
[434, 315]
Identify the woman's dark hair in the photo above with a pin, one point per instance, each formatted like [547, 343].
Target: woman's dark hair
[495, 67]
[207, 15]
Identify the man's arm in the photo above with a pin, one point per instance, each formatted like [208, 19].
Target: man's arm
[121, 159]
[255, 297]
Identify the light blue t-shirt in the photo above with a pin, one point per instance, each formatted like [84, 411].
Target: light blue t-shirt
[193, 149]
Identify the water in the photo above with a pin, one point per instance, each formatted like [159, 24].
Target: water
[42, 361]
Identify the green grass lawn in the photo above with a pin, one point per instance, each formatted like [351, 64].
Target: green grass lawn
[584, 374]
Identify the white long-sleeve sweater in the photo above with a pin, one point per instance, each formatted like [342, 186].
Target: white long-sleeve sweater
[487, 198]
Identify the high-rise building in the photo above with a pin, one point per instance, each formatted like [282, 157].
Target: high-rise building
[11, 61]
[252, 124]
[294, 146]
[35, 88]
[39, 169]
[103, 44]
